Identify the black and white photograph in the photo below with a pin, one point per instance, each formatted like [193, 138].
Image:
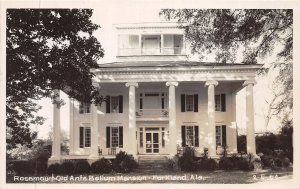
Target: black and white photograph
[138, 93]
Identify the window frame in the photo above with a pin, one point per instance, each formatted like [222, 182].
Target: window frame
[87, 140]
[85, 108]
[219, 106]
[219, 127]
[116, 100]
[191, 96]
[117, 137]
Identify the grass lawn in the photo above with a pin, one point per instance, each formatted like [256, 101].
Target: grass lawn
[165, 176]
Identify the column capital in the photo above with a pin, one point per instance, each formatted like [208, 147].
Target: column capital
[134, 84]
[211, 82]
[172, 83]
[249, 82]
[96, 85]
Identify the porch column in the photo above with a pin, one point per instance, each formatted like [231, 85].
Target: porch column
[71, 127]
[94, 132]
[172, 118]
[211, 133]
[251, 148]
[56, 155]
[132, 141]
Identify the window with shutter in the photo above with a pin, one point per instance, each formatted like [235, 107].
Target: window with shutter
[190, 135]
[114, 137]
[220, 102]
[84, 108]
[221, 138]
[84, 137]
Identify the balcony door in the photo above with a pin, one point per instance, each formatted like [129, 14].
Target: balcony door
[151, 44]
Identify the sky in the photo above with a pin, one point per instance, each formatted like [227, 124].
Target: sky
[134, 14]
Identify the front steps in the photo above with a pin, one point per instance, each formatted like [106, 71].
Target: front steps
[152, 163]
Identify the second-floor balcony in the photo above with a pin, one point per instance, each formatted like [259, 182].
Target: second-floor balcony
[140, 45]
[156, 114]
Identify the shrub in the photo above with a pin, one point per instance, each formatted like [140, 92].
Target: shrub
[67, 168]
[187, 162]
[82, 167]
[101, 166]
[23, 167]
[208, 164]
[278, 162]
[124, 163]
[286, 162]
[267, 161]
[41, 166]
[245, 165]
[226, 164]
[53, 169]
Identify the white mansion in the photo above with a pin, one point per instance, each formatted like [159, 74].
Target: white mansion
[157, 101]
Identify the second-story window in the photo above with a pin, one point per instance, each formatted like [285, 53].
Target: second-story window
[128, 45]
[220, 102]
[189, 103]
[84, 108]
[114, 104]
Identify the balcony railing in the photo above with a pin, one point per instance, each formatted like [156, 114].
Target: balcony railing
[152, 51]
[152, 113]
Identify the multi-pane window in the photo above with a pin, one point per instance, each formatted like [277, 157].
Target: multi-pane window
[221, 135]
[218, 136]
[85, 137]
[189, 103]
[115, 136]
[190, 136]
[115, 104]
[84, 108]
[220, 102]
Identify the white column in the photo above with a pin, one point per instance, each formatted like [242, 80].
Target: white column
[71, 128]
[94, 132]
[172, 118]
[56, 155]
[211, 133]
[251, 148]
[132, 141]
[140, 44]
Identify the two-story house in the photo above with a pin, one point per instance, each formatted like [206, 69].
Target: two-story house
[158, 101]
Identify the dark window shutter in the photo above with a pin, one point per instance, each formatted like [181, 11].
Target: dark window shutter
[81, 137]
[162, 103]
[141, 103]
[120, 104]
[107, 137]
[223, 102]
[81, 108]
[196, 136]
[195, 103]
[107, 104]
[182, 103]
[224, 135]
[121, 137]
[183, 136]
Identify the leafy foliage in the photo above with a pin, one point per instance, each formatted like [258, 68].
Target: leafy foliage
[101, 166]
[124, 163]
[82, 167]
[224, 31]
[46, 49]
[258, 33]
[188, 162]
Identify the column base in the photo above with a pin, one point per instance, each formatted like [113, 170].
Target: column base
[55, 158]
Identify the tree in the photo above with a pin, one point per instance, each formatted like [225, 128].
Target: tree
[255, 34]
[47, 49]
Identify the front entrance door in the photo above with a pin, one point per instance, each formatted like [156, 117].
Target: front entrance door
[152, 142]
